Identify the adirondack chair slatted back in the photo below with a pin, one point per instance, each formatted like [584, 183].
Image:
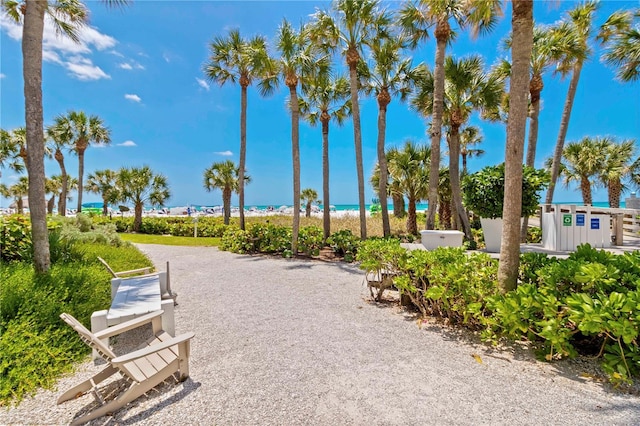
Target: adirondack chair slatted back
[88, 337]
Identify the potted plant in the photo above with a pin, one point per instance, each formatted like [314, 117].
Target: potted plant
[483, 194]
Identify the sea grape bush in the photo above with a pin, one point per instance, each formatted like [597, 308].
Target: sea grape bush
[15, 238]
[310, 240]
[344, 244]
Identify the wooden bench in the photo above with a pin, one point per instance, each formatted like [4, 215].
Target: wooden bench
[133, 297]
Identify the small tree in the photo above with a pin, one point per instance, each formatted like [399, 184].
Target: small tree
[103, 182]
[139, 186]
[308, 197]
[224, 176]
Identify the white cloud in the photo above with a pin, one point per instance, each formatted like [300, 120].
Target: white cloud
[62, 50]
[203, 83]
[116, 53]
[166, 57]
[132, 97]
[86, 71]
[127, 143]
[224, 153]
[130, 65]
[2, 75]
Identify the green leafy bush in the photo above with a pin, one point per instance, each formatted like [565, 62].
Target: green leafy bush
[344, 244]
[15, 238]
[310, 240]
[381, 259]
[483, 191]
[236, 240]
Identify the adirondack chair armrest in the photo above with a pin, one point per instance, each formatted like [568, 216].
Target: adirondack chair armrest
[146, 270]
[128, 325]
[141, 353]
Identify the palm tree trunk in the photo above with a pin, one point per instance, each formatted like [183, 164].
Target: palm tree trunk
[357, 139]
[564, 126]
[137, 221]
[326, 216]
[585, 188]
[80, 177]
[464, 163]
[615, 188]
[522, 30]
[412, 223]
[531, 147]
[454, 178]
[295, 152]
[436, 121]
[62, 204]
[382, 161]
[51, 204]
[226, 204]
[105, 206]
[243, 150]
[398, 205]
[20, 205]
[32, 34]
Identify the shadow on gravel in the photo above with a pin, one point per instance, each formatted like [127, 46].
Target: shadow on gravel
[188, 386]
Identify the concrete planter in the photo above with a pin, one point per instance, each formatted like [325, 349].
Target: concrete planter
[492, 230]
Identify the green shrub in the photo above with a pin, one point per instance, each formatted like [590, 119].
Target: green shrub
[310, 240]
[381, 259]
[236, 240]
[344, 244]
[15, 238]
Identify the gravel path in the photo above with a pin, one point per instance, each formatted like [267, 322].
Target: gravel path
[291, 342]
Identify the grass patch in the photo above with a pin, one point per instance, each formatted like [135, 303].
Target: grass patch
[169, 240]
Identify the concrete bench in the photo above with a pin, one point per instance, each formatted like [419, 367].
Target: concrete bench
[132, 297]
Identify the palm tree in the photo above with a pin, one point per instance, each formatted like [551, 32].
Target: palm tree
[355, 24]
[18, 191]
[325, 98]
[66, 16]
[469, 136]
[409, 167]
[416, 17]
[54, 187]
[80, 130]
[522, 30]
[467, 88]
[390, 75]
[445, 198]
[580, 27]
[9, 153]
[619, 164]
[296, 64]
[59, 135]
[620, 35]
[103, 182]
[393, 186]
[140, 185]
[224, 176]
[309, 196]
[583, 161]
[235, 59]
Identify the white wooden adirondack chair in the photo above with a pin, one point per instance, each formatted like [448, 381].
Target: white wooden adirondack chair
[158, 359]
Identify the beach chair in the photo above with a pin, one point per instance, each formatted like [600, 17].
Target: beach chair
[156, 360]
[167, 294]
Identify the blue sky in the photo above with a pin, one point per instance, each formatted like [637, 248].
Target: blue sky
[139, 68]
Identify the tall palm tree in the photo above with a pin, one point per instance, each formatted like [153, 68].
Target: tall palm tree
[103, 182]
[469, 136]
[66, 16]
[391, 74]
[580, 25]
[620, 35]
[445, 198]
[9, 153]
[416, 17]
[225, 176]
[80, 130]
[393, 185]
[467, 88]
[583, 161]
[140, 186]
[296, 64]
[236, 59]
[619, 164]
[59, 136]
[52, 186]
[409, 166]
[522, 30]
[308, 196]
[18, 191]
[55, 188]
[355, 23]
[325, 98]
